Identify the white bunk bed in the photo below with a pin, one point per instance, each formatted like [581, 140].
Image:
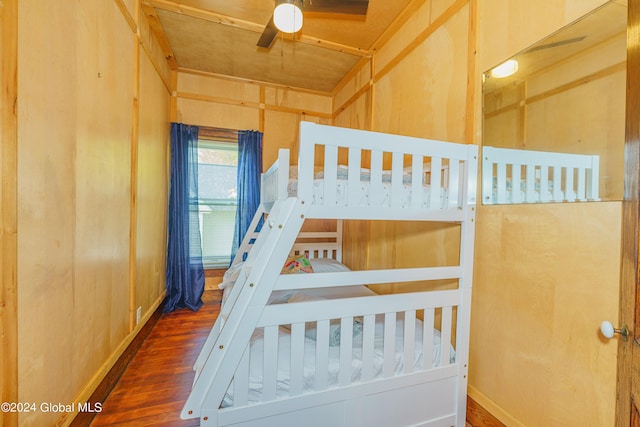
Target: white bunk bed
[276, 354]
[539, 177]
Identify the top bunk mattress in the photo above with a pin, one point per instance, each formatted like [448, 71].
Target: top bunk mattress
[362, 195]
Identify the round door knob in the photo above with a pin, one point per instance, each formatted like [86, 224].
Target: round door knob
[608, 331]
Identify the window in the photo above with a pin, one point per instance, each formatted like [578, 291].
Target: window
[217, 189]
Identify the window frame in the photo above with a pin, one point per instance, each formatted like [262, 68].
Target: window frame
[219, 139]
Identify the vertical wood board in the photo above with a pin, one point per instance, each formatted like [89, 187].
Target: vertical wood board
[8, 210]
[152, 194]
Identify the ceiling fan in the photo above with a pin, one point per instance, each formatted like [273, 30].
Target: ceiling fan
[293, 9]
[556, 44]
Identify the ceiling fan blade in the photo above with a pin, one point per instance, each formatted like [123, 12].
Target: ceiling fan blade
[556, 44]
[268, 35]
[348, 7]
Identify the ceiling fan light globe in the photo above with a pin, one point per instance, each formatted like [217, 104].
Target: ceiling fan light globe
[287, 17]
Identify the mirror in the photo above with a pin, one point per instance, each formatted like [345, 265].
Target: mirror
[555, 128]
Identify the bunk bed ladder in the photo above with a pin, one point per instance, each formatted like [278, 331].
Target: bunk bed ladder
[249, 295]
[248, 242]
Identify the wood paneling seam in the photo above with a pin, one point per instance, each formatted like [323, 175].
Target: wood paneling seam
[435, 25]
[249, 81]
[256, 105]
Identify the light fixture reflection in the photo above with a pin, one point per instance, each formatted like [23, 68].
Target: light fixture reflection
[287, 16]
[505, 69]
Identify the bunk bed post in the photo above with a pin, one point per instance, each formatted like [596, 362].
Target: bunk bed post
[467, 239]
[306, 160]
[594, 176]
[487, 175]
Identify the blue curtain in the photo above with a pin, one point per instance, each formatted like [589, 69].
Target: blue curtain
[249, 171]
[185, 273]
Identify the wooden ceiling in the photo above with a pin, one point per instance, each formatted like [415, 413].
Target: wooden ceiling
[220, 36]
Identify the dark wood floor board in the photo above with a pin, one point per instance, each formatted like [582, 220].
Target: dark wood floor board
[156, 383]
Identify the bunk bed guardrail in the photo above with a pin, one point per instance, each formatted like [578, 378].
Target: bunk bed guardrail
[346, 172]
[526, 176]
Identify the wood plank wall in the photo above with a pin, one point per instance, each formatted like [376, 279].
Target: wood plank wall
[84, 187]
[8, 209]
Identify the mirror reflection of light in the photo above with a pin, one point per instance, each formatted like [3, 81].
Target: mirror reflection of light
[505, 69]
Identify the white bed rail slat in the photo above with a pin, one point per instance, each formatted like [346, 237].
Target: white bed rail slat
[501, 185]
[353, 182]
[530, 192]
[455, 184]
[557, 187]
[270, 370]
[322, 355]
[570, 193]
[544, 195]
[397, 170]
[377, 195]
[516, 171]
[427, 337]
[297, 358]
[330, 174]
[445, 335]
[389, 351]
[346, 351]
[582, 185]
[409, 340]
[368, 336]
[436, 183]
[593, 174]
[417, 174]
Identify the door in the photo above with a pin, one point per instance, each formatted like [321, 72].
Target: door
[628, 387]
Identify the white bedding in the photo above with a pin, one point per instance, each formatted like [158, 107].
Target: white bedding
[284, 352]
[548, 195]
[364, 191]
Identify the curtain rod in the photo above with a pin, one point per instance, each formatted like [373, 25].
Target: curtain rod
[217, 134]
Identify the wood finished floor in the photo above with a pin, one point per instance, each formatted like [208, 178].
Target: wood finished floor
[155, 385]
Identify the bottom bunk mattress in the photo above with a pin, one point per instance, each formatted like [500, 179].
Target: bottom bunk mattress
[311, 376]
[319, 265]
